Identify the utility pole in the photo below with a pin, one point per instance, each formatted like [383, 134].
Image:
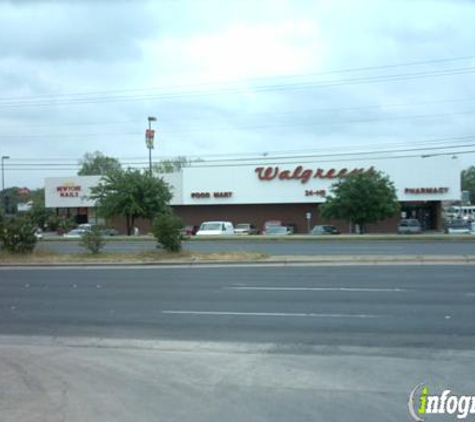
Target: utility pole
[4, 204]
[149, 135]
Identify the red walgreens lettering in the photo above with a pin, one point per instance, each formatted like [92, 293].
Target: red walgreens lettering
[304, 175]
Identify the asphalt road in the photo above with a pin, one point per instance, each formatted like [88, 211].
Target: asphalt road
[429, 306]
[236, 344]
[316, 247]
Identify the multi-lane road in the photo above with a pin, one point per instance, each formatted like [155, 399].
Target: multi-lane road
[230, 343]
[432, 306]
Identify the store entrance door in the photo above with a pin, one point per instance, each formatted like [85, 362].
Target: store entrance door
[425, 212]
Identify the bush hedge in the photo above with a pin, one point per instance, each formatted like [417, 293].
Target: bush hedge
[167, 230]
[18, 235]
[93, 240]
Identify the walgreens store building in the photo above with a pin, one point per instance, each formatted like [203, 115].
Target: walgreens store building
[290, 192]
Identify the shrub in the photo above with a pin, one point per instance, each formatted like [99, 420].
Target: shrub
[65, 224]
[52, 223]
[93, 240]
[18, 235]
[166, 229]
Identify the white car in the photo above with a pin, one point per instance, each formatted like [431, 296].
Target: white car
[458, 227]
[74, 234]
[210, 228]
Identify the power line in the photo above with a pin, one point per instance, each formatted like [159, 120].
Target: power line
[11, 104]
[261, 79]
[338, 160]
[422, 144]
[246, 127]
[236, 116]
[277, 162]
[261, 160]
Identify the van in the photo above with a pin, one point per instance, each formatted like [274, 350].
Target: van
[215, 228]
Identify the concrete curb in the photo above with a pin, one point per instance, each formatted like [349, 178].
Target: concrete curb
[271, 261]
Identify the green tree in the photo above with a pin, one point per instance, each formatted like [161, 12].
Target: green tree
[98, 164]
[468, 182]
[170, 166]
[11, 198]
[39, 213]
[132, 194]
[362, 198]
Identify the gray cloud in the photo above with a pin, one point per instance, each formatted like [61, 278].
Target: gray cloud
[74, 31]
[53, 48]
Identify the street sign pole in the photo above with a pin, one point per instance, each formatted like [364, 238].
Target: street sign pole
[149, 135]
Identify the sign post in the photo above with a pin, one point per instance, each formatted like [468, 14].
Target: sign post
[308, 216]
[149, 139]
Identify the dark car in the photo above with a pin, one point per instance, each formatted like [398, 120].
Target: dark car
[189, 230]
[110, 232]
[325, 229]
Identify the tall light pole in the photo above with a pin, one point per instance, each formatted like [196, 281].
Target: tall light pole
[149, 135]
[4, 205]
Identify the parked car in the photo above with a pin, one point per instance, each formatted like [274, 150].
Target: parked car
[458, 227]
[409, 226]
[75, 233]
[86, 226]
[215, 228]
[110, 232]
[245, 228]
[292, 227]
[39, 234]
[325, 229]
[271, 223]
[277, 231]
[189, 230]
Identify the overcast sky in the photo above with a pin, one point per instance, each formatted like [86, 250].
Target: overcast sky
[228, 77]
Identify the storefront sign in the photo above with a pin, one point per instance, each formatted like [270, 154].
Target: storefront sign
[320, 192]
[423, 191]
[68, 191]
[304, 175]
[205, 195]
[149, 136]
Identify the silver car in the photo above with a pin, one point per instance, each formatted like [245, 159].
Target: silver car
[409, 226]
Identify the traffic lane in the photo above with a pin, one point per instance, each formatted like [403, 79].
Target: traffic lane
[337, 247]
[349, 305]
[286, 247]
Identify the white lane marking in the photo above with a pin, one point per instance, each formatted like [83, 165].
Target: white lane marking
[273, 314]
[424, 261]
[317, 289]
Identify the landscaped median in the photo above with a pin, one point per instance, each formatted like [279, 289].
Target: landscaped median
[160, 257]
[142, 257]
